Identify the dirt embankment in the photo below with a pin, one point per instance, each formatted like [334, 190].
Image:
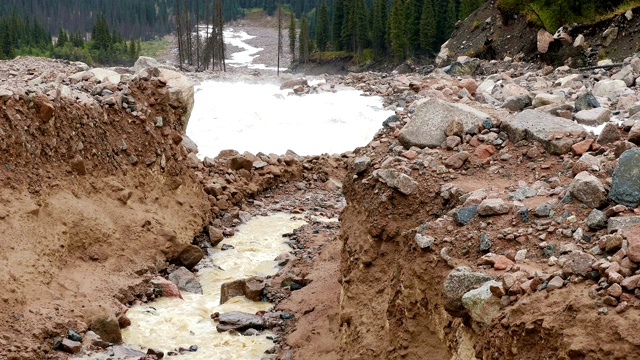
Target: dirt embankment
[95, 196]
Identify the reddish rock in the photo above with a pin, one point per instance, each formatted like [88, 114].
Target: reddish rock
[457, 160]
[123, 321]
[631, 283]
[474, 141]
[615, 278]
[633, 249]
[622, 307]
[484, 151]
[582, 147]
[165, 287]
[614, 290]
[410, 154]
[533, 153]
[70, 346]
[469, 84]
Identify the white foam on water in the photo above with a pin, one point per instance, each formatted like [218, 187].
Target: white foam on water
[262, 118]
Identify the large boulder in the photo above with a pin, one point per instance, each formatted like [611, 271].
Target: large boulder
[481, 304]
[611, 89]
[108, 328]
[593, 117]
[239, 321]
[185, 280]
[105, 74]
[428, 124]
[540, 126]
[251, 288]
[180, 94]
[625, 188]
[460, 281]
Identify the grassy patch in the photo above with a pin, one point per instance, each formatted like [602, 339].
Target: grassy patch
[323, 56]
[153, 47]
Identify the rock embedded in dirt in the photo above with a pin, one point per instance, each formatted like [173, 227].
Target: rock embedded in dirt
[542, 127]
[457, 160]
[556, 283]
[185, 280]
[361, 164]
[251, 288]
[481, 304]
[424, 242]
[589, 190]
[70, 346]
[427, 126]
[491, 207]
[189, 257]
[593, 117]
[458, 282]
[464, 215]
[609, 135]
[108, 328]
[398, 181]
[578, 263]
[597, 220]
[625, 188]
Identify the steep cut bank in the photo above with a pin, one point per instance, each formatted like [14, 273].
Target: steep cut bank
[494, 229]
[96, 195]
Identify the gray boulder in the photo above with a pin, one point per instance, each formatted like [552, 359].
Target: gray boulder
[625, 188]
[481, 304]
[428, 124]
[185, 280]
[460, 281]
[586, 102]
[398, 181]
[589, 190]
[540, 126]
[239, 321]
[593, 117]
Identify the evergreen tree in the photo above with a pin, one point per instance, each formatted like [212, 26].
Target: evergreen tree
[469, 6]
[322, 32]
[397, 31]
[338, 21]
[292, 36]
[412, 26]
[8, 52]
[62, 38]
[359, 12]
[427, 27]
[132, 49]
[303, 41]
[379, 28]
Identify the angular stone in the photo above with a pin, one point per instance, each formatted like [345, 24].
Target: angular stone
[593, 117]
[185, 280]
[541, 127]
[108, 328]
[582, 146]
[625, 188]
[398, 181]
[484, 151]
[424, 241]
[215, 235]
[490, 207]
[251, 288]
[547, 99]
[634, 133]
[631, 283]
[456, 161]
[189, 145]
[544, 40]
[180, 93]
[481, 304]
[70, 346]
[609, 135]
[587, 163]
[633, 247]
[556, 283]
[189, 257]
[586, 102]
[455, 128]
[622, 223]
[517, 103]
[426, 128]
[578, 263]
[470, 84]
[597, 220]
[361, 164]
[610, 89]
[240, 162]
[458, 282]
[465, 214]
[162, 287]
[589, 190]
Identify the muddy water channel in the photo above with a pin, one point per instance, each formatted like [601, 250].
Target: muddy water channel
[169, 323]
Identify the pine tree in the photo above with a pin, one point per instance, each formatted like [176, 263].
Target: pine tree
[427, 27]
[7, 50]
[62, 38]
[361, 38]
[397, 34]
[379, 28]
[303, 41]
[322, 32]
[412, 26]
[292, 36]
[338, 21]
[469, 6]
[132, 48]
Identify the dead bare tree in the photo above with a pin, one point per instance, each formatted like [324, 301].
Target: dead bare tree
[279, 35]
[179, 31]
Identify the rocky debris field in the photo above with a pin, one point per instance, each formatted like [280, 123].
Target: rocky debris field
[486, 218]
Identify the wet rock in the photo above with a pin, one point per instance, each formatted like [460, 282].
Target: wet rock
[426, 128]
[251, 288]
[609, 135]
[226, 247]
[597, 220]
[491, 207]
[186, 281]
[541, 127]
[481, 304]
[589, 190]
[458, 282]
[593, 117]
[361, 164]
[123, 321]
[465, 214]
[123, 352]
[586, 102]
[72, 335]
[398, 181]
[215, 235]
[390, 120]
[625, 188]
[157, 353]
[239, 321]
[162, 287]
[70, 346]
[189, 257]
[108, 328]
